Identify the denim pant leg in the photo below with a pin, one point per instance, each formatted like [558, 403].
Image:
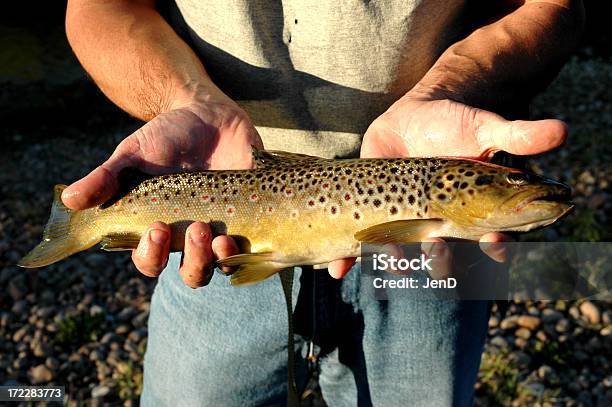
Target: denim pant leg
[217, 345]
[405, 351]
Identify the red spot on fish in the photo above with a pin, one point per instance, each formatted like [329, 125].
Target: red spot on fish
[311, 202]
[153, 200]
[270, 209]
[206, 198]
[176, 210]
[117, 203]
[288, 192]
[230, 210]
[370, 181]
[254, 197]
[347, 197]
[325, 185]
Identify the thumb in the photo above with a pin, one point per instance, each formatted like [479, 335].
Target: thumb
[519, 137]
[98, 186]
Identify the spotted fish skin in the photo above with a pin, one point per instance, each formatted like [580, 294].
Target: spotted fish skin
[308, 210]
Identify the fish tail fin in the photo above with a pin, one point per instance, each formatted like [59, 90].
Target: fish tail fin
[60, 238]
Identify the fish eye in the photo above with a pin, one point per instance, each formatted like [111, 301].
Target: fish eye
[517, 178]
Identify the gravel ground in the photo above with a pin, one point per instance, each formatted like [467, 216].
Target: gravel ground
[82, 322]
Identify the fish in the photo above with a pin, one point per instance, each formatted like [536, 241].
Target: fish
[294, 209]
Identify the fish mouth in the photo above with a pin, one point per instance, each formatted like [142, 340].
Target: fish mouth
[552, 198]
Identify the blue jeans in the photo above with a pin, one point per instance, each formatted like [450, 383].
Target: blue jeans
[226, 346]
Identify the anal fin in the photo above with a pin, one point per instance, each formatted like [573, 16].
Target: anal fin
[252, 267]
[398, 231]
[120, 241]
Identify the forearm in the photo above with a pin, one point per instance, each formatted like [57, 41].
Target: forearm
[135, 57]
[506, 62]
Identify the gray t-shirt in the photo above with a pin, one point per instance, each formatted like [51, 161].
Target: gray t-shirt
[314, 74]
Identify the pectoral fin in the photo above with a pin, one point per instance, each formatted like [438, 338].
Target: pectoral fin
[399, 231]
[120, 241]
[252, 267]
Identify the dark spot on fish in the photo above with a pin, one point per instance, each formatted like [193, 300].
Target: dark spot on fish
[411, 199]
[193, 194]
[442, 197]
[439, 185]
[283, 176]
[483, 180]
[338, 187]
[130, 200]
[464, 185]
[393, 210]
[333, 210]
[471, 191]
[393, 170]
[469, 173]
[400, 199]
[322, 199]
[461, 170]
[348, 171]
[416, 177]
[387, 198]
[370, 191]
[166, 197]
[456, 184]
[356, 215]
[271, 178]
[393, 188]
[366, 201]
[450, 177]
[376, 202]
[380, 189]
[448, 189]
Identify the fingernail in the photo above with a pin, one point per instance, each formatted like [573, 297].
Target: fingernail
[158, 236]
[434, 249]
[197, 238]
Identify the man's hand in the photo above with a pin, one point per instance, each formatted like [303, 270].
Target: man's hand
[197, 135]
[421, 126]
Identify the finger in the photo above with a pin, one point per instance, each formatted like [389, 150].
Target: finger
[520, 137]
[339, 268]
[196, 268]
[151, 255]
[224, 246]
[441, 257]
[492, 244]
[98, 186]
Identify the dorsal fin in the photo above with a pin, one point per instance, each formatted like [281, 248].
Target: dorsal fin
[276, 157]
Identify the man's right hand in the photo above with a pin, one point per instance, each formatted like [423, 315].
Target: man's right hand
[193, 135]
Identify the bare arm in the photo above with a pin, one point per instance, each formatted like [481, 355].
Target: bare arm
[144, 67]
[135, 57]
[510, 59]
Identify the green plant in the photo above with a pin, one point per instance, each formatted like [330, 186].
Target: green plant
[499, 377]
[129, 380]
[79, 329]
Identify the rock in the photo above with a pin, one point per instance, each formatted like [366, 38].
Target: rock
[545, 372]
[522, 359]
[607, 317]
[500, 342]
[41, 349]
[528, 321]
[17, 288]
[40, 374]
[523, 333]
[136, 335]
[100, 391]
[126, 314]
[590, 312]
[508, 323]
[110, 337]
[5, 319]
[551, 316]
[141, 319]
[536, 389]
[562, 326]
[580, 356]
[574, 312]
[493, 322]
[52, 327]
[95, 310]
[20, 333]
[96, 355]
[573, 387]
[52, 363]
[45, 312]
[541, 335]
[122, 329]
[20, 308]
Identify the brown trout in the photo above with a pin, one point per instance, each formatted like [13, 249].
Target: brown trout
[301, 210]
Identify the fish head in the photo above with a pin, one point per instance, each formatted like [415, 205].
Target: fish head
[489, 197]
